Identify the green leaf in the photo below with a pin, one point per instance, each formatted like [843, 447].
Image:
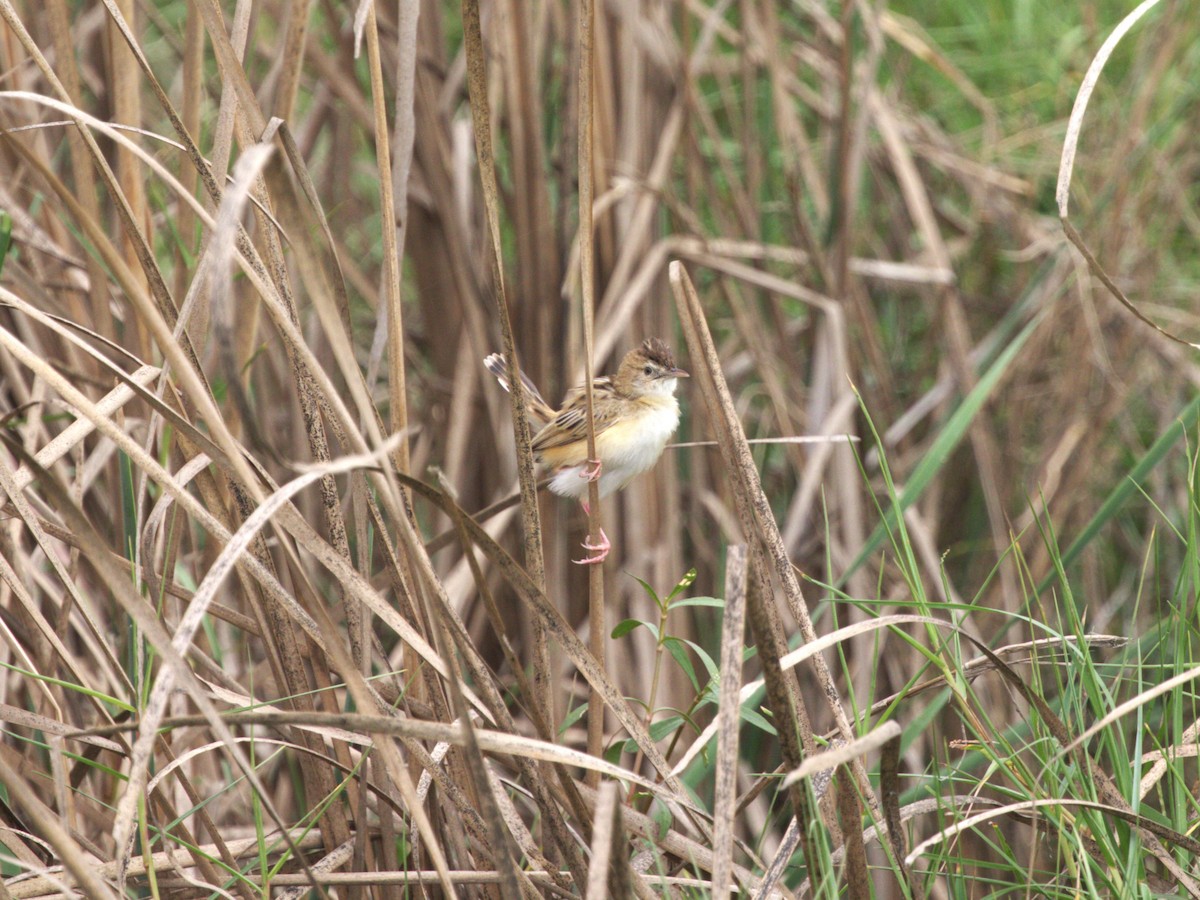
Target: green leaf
[684, 583]
[6, 224]
[572, 717]
[717, 602]
[1127, 486]
[629, 625]
[711, 693]
[650, 591]
[948, 438]
[678, 649]
[115, 702]
[709, 664]
[661, 815]
[659, 730]
[755, 718]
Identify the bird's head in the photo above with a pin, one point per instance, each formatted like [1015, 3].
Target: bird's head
[649, 369]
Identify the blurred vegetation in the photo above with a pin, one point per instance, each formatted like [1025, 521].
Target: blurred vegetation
[246, 287]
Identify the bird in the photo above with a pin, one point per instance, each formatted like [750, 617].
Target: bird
[635, 413]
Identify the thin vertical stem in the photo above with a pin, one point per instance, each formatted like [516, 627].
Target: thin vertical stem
[477, 92]
[397, 392]
[596, 630]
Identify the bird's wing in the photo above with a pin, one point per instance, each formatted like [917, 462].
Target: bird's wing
[570, 425]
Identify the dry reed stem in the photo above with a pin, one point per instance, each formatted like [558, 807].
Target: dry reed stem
[784, 700]
[286, 646]
[597, 632]
[398, 392]
[757, 510]
[733, 625]
[889, 799]
[481, 119]
[511, 886]
[51, 828]
[604, 836]
[476, 79]
[558, 627]
[540, 778]
[854, 857]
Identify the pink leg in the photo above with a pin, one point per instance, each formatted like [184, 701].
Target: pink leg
[601, 549]
[591, 471]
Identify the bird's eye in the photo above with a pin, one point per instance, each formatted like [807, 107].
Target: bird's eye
[649, 370]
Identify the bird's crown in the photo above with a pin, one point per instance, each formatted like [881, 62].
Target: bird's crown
[657, 351]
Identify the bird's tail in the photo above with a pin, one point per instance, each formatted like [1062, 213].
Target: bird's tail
[538, 407]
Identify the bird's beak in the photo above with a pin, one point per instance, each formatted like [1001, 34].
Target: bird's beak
[678, 373]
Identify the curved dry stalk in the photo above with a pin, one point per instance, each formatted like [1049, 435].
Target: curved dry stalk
[1066, 167]
[1142, 822]
[841, 754]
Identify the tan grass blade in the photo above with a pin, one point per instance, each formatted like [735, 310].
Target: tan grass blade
[391, 248]
[74, 858]
[561, 630]
[132, 604]
[728, 720]
[890, 788]
[77, 431]
[604, 836]
[843, 753]
[239, 545]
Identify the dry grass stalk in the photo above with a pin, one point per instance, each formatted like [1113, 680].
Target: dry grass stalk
[201, 298]
[597, 632]
[728, 718]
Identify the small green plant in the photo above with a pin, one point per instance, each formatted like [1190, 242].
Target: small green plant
[678, 649]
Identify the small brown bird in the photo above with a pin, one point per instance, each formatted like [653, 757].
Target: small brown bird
[635, 411]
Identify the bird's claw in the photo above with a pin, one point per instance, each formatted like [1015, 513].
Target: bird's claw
[591, 471]
[601, 550]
